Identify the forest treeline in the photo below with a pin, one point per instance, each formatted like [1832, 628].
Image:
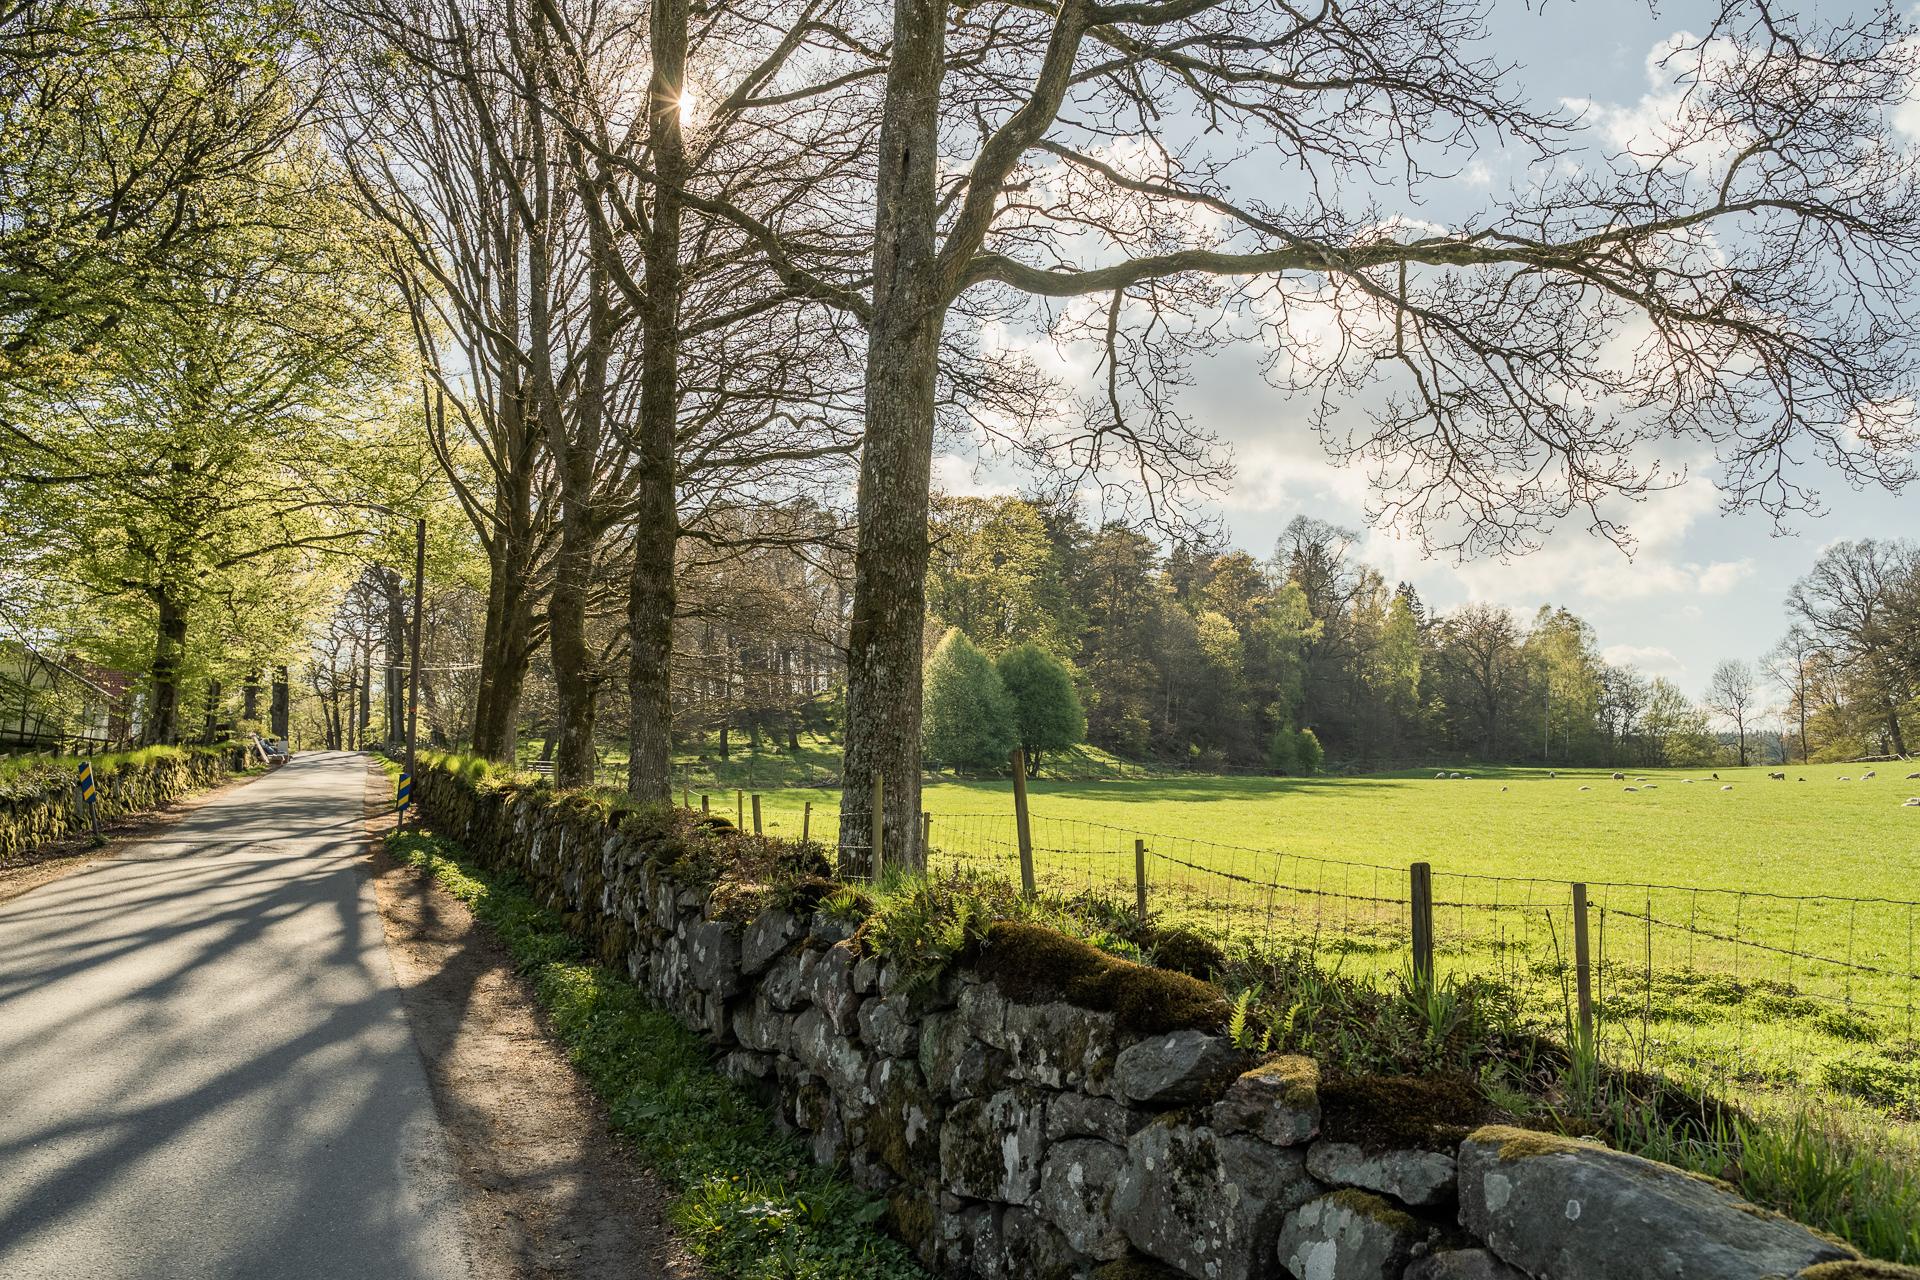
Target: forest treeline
[646, 306]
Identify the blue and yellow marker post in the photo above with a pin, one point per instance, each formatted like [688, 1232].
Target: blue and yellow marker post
[90, 797]
[403, 796]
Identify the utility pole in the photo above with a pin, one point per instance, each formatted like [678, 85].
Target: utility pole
[413, 670]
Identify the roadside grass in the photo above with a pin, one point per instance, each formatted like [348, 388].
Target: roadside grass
[747, 1199]
[28, 771]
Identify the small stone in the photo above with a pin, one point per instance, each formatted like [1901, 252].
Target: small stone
[956, 1063]
[886, 1026]
[1577, 1211]
[760, 1027]
[785, 986]
[1348, 1235]
[829, 930]
[1059, 1045]
[1277, 1101]
[1411, 1177]
[1468, 1264]
[1178, 1067]
[1075, 1115]
[1076, 1192]
[830, 987]
[771, 933]
[713, 956]
[991, 1148]
[742, 1065]
[831, 1056]
[866, 975]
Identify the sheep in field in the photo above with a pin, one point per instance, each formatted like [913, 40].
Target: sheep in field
[1727, 787]
[1868, 774]
[1911, 802]
[1629, 788]
[1619, 777]
[1586, 788]
[1777, 777]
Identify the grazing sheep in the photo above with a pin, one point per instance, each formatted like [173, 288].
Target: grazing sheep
[1503, 788]
[1454, 776]
[1727, 787]
[1586, 788]
[1440, 775]
[1649, 786]
[1716, 777]
[1844, 778]
[1553, 773]
[1619, 777]
[1629, 788]
[1868, 774]
[1688, 781]
[1799, 779]
[1778, 777]
[1911, 802]
[1912, 776]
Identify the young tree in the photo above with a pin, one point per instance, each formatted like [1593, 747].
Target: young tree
[1733, 694]
[969, 720]
[1046, 709]
[1762, 253]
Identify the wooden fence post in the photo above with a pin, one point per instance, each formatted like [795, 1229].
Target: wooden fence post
[926, 837]
[1421, 883]
[1140, 876]
[739, 810]
[705, 808]
[879, 824]
[1582, 965]
[1021, 822]
[756, 813]
[806, 821]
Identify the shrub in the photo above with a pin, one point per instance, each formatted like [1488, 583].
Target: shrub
[1046, 711]
[968, 719]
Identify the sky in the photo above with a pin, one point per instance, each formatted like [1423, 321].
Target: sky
[1700, 585]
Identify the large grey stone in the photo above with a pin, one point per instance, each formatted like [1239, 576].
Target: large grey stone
[830, 987]
[1467, 1264]
[1348, 1235]
[1075, 1115]
[759, 1026]
[1576, 1211]
[1278, 1100]
[984, 1011]
[785, 985]
[1076, 1195]
[886, 1024]
[1411, 1177]
[991, 1148]
[831, 1056]
[901, 1124]
[1029, 1248]
[1059, 1045]
[771, 933]
[955, 1062]
[1178, 1067]
[1206, 1203]
[713, 956]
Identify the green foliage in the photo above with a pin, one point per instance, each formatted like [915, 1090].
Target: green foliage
[1296, 752]
[1047, 713]
[1307, 753]
[968, 719]
[748, 1201]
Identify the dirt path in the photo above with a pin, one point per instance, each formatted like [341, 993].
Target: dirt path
[552, 1193]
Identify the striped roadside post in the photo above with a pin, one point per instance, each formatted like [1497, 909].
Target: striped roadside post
[403, 796]
[89, 796]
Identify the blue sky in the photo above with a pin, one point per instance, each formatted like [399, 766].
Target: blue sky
[1700, 585]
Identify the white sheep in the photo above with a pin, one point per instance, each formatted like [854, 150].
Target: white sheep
[1911, 802]
[1629, 788]
[1586, 788]
[1912, 776]
[1619, 777]
[1868, 774]
[1440, 776]
[1726, 786]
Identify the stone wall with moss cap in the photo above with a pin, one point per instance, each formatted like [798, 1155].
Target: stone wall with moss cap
[1044, 1110]
[44, 807]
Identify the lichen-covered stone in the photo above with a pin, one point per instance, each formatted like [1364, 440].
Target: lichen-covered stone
[713, 956]
[1279, 1101]
[866, 975]
[983, 1010]
[1028, 1248]
[902, 1124]
[771, 933]
[830, 988]
[1577, 1211]
[1059, 1045]
[743, 1066]
[1175, 1068]
[955, 1062]
[758, 1026]
[830, 1055]
[886, 1024]
[1206, 1203]
[1859, 1269]
[785, 985]
[827, 930]
[1075, 1115]
[1468, 1264]
[1348, 1235]
[1076, 1194]
[991, 1148]
[1411, 1177]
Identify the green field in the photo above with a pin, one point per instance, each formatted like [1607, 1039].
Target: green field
[1763, 935]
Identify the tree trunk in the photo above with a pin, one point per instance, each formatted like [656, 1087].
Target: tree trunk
[652, 594]
[889, 591]
[1893, 730]
[279, 715]
[170, 642]
[210, 728]
[394, 694]
[250, 698]
[573, 675]
[366, 696]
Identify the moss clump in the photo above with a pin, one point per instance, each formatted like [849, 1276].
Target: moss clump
[1297, 1076]
[1524, 1144]
[1184, 951]
[1032, 964]
[1367, 1205]
[1859, 1269]
[1381, 1113]
[910, 1216]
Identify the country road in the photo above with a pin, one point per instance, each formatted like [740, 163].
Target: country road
[205, 1070]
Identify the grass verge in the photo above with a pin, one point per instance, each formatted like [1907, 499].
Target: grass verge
[748, 1200]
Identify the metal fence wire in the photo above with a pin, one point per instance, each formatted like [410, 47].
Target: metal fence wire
[1748, 989]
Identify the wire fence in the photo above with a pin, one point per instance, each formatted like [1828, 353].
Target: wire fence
[1745, 990]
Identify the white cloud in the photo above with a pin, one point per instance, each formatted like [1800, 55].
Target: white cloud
[1650, 659]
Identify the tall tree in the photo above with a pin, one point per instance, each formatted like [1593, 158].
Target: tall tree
[1766, 250]
[1733, 694]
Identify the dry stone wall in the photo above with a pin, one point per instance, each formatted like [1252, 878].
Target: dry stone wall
[1018, 1137]
[45, 809]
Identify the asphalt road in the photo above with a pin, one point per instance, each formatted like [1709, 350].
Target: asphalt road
[205, 1070]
